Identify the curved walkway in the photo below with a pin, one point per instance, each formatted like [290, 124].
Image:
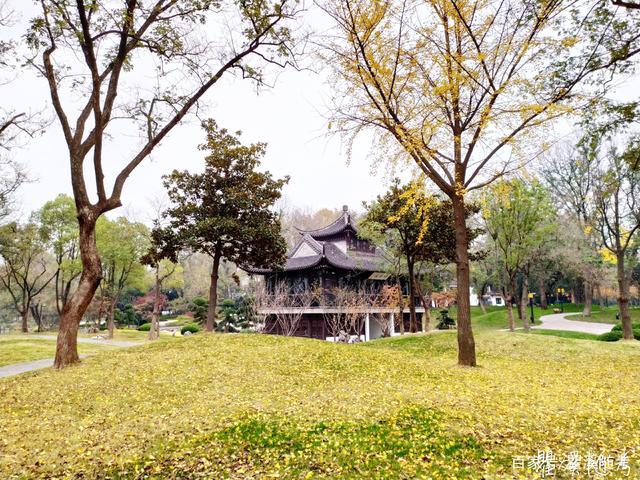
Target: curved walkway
[559, 321]
[18, 368]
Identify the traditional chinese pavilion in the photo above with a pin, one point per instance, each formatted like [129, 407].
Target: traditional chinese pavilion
[326, 258]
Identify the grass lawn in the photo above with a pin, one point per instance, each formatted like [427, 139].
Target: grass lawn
[25, 348]
[258, 406]
[608, 315]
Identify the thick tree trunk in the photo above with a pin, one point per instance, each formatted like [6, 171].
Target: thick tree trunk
[213, 295]
[154, 331]
[623, 298]
[544, 303]
[413, 322]
[24, 317]
[76, 306]
[588, 298]
[466, 343]
[524, 301]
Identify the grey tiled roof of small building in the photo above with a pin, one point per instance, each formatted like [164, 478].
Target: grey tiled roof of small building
[339, 225]
[329, 252]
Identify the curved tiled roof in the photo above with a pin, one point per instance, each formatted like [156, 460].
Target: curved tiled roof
[339, 225]
[329, 253]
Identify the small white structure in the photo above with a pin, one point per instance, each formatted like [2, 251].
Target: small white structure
[493, 299]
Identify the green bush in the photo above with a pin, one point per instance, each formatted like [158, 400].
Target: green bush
[618, 327]
[145, 327]
[612, 336]
[190, 327]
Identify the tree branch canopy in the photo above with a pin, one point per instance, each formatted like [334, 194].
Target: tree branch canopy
[463, 88]
[89, 52]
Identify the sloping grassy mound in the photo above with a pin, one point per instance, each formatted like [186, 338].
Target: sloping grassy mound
[252, 406]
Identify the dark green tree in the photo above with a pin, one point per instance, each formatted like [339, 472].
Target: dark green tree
[227, 211]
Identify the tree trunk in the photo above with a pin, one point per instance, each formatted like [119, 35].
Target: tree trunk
[154, 331]
[588, 298]
[544, 303]
[481, 303]
[509, 302]
[213, 294]
[76, 306]
[623, 298]
[111, 316]
[426, 304]
[600, 297]
[24, 317]
[573, 296]
[466, 343]
[400, 308]
[413, 323]
[521, 312]
[524, 301]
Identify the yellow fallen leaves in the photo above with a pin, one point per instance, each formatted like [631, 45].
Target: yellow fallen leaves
[252, 406]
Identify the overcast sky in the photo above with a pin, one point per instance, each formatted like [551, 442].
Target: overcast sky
[290, 118]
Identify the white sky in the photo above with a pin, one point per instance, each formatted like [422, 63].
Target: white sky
[290, 118]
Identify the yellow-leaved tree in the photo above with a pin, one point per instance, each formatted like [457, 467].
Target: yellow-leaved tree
[462, 88]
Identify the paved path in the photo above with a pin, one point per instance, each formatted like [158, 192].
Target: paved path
[18, 368]
[559, 321]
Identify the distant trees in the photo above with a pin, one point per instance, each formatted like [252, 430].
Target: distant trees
[227, 212]
[121, 244]
[162, 257]
[25, 271]
[87, 55]
[59, 226]
[518, 217]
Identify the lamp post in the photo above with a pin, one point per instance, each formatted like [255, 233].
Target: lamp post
[531, 305]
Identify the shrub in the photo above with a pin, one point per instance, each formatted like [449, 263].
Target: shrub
[618, 327]
[145, 327]
[190, 327]
[612, 336]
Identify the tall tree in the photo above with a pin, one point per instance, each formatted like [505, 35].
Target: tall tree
[518, 218]
[88, 52]
[58, 225]
[25, 271]
[618, 220]
[460, 87]
[423, 226]
[121, 244]
[570, 174]
[227, 212]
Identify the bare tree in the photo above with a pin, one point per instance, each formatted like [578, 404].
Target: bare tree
[88, 50]
[460, 88]
[288, 308]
